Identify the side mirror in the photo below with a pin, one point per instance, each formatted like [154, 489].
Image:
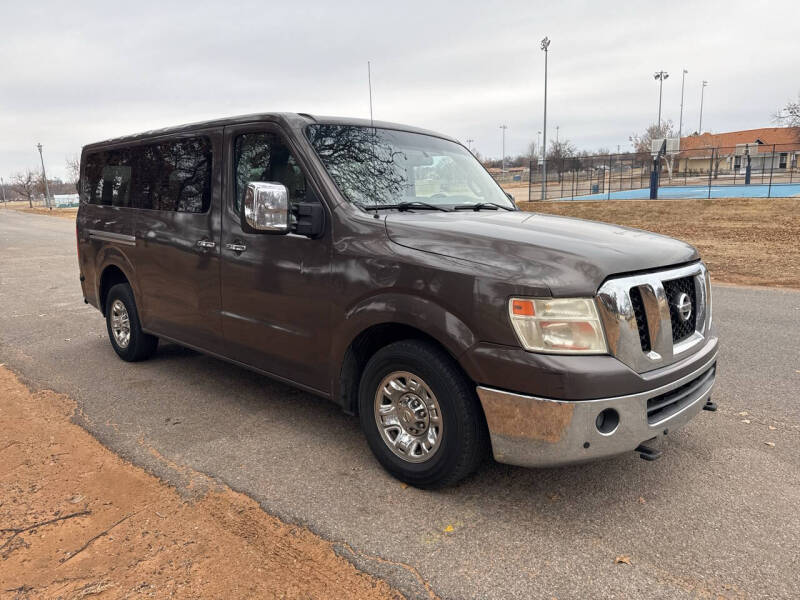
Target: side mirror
[266, 207]
[510, 197]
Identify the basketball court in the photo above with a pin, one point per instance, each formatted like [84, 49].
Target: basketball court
[783, 190]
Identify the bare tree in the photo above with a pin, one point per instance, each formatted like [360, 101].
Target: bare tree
[25, 184]
[557, 155]
[789, 115]
[73, 168]
[642, 142]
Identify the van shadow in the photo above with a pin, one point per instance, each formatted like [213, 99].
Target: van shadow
[218, 402]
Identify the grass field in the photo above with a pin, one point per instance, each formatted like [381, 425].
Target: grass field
[748, 241]
[66, 213]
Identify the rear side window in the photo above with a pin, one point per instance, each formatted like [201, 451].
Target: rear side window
[107, 179]
[173, 175]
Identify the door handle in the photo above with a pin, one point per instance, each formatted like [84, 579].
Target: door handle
[236, 247]
[205, 244]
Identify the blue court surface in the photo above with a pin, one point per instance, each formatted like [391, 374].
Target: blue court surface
[777, 190]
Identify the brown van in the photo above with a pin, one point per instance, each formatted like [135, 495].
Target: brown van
[380, 266]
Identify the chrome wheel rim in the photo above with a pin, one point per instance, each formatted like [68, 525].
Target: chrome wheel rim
[408, 416]
[120, 324]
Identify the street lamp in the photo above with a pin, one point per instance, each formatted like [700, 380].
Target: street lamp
[44, 176]
[504, 127]
[680, 123]
[545, 45]
[660, 76]
[702, 93]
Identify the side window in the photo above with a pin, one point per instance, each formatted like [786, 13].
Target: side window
[116, 185]
[92, 177]
[173, 175]
[263, 156]
[107, 179]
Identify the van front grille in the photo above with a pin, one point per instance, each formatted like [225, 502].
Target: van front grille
[674, 289]
[641, 318]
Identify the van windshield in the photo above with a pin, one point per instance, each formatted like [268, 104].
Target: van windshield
[375, 167]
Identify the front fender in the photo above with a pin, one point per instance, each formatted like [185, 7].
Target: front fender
[387, 308]
[406, 309]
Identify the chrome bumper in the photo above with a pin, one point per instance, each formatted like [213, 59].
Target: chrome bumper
[540, 432]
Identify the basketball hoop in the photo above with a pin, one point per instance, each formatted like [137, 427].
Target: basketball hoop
[663, 146]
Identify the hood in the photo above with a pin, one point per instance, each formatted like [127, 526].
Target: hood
[571, 257]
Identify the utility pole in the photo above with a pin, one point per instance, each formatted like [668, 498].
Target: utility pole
[702, 93]
[680, 123]
[504, 127]
[469, 144]
[44, 176]
[660, 76]
[545, 46]
[3, 187]
[557, 128]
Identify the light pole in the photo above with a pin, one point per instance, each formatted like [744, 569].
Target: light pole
[660, 76]
[44, 176]
[3, 187]
[504, 127]
[469, 145]
[702, 94]
[545, 46]
[680, 123]
[557, 128]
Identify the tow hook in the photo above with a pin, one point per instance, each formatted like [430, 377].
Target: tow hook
[709, 405]
[647, 453]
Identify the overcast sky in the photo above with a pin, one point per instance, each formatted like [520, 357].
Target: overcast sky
[77, 72]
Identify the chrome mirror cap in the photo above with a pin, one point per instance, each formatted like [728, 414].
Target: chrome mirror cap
[266, 206]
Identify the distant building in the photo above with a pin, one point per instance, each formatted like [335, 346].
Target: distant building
[770, 148]
[65, 200]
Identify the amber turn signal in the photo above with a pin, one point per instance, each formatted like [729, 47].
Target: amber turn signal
[522, 308]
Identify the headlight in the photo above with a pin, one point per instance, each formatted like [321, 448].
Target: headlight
[558, 325]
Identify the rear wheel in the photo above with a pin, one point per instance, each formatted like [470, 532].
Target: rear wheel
[124, 329]
[420, 415]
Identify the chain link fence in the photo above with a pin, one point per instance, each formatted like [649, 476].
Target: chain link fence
[746, 170]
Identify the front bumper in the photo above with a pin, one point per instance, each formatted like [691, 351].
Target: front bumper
[540, 432]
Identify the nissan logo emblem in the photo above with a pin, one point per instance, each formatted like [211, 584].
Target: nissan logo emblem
[684, 306]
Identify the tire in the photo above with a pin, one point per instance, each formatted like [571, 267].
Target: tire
[121, 310]
[436, 433]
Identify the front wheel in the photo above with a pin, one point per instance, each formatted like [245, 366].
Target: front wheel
[420, 415]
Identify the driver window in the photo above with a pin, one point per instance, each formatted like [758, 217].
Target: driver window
[263, 156]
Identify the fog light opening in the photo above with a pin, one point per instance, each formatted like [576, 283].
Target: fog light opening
[607, 421]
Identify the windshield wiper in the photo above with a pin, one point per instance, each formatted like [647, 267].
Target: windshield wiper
[405, 206]
[478, 206]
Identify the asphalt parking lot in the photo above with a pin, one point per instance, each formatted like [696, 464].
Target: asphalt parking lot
[716, 516]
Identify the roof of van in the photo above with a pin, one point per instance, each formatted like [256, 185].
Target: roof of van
[292, 120]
